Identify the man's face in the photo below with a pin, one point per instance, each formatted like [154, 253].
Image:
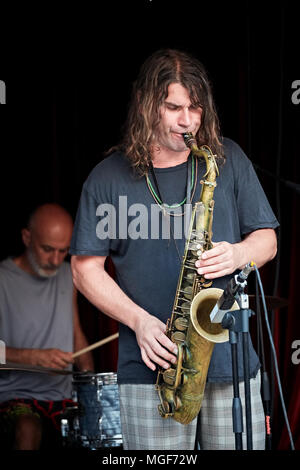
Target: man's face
[47, 250]
[178, 115]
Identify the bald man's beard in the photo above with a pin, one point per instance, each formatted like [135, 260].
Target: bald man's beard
[45, 272]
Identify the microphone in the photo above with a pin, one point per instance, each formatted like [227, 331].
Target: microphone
[227, 299]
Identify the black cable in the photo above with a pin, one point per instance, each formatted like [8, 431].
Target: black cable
[274, 358]
[277, 187]
[265, 382]
[261, 347]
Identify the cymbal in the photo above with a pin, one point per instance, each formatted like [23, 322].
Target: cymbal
[272, 303]
[30, 368]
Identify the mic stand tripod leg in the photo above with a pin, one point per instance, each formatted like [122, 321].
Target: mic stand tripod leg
[240, 324]
[237, 413]
[245, 338]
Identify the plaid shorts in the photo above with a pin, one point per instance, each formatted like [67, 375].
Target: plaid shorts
[215, 431]
[142, 426]
[144, 429]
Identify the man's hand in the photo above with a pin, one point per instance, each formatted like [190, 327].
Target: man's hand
[224, 258]
[155, 345]
[52, 358]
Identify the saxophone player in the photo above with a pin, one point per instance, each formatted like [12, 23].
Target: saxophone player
[132, 207]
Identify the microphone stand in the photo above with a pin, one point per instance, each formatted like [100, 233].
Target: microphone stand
[237, 321]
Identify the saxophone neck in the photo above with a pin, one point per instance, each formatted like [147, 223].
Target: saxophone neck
[205, 152]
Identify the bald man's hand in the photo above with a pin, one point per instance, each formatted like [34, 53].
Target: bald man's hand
[52, 358]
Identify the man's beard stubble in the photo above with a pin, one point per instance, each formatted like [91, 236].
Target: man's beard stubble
[39, 271]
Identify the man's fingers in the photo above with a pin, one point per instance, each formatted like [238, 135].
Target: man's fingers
[147, 360]
[149, 356]
[60, 359]
[216, 250]
[158, 353]
[154, 344]
[167, 343]
[213, 268]
[217, 274]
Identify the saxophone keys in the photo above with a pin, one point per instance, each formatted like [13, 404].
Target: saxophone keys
[188, 292]
[187, 355]
[206, 283]
[177, 403]
[169, 376]
[185, 306]
[194, 253]
[181, 323]
[166, 407]
[197, 244]
[165, 410]
[178, 337]
[189, 277]
[184, 379]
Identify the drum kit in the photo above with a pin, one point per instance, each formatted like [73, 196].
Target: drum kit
[94, 421]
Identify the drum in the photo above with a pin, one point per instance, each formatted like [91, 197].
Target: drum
[96, 423]
[70, 430]
[111, 433]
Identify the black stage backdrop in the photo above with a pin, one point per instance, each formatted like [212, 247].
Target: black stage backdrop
[68, 78]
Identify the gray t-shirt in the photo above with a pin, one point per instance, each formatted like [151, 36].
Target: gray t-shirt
[35, 313]
[147, 266]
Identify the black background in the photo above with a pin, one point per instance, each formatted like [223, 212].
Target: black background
[69, 74]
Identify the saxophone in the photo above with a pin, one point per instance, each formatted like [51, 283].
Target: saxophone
[181, 387]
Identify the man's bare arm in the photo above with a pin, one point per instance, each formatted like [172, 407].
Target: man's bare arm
[51, 357]
[91, 279]
[84, 361]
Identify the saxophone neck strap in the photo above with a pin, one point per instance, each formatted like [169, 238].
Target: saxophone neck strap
[189, 183]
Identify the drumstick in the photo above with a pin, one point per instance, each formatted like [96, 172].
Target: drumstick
[95, 345]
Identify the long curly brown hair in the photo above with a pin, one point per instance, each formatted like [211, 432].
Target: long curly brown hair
[149, 92]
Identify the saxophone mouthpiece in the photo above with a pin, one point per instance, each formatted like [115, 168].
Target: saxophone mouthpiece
[189, 139]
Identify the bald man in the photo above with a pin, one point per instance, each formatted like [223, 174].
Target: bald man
[40, 326]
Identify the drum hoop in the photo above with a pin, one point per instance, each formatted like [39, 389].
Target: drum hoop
[102, 378]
